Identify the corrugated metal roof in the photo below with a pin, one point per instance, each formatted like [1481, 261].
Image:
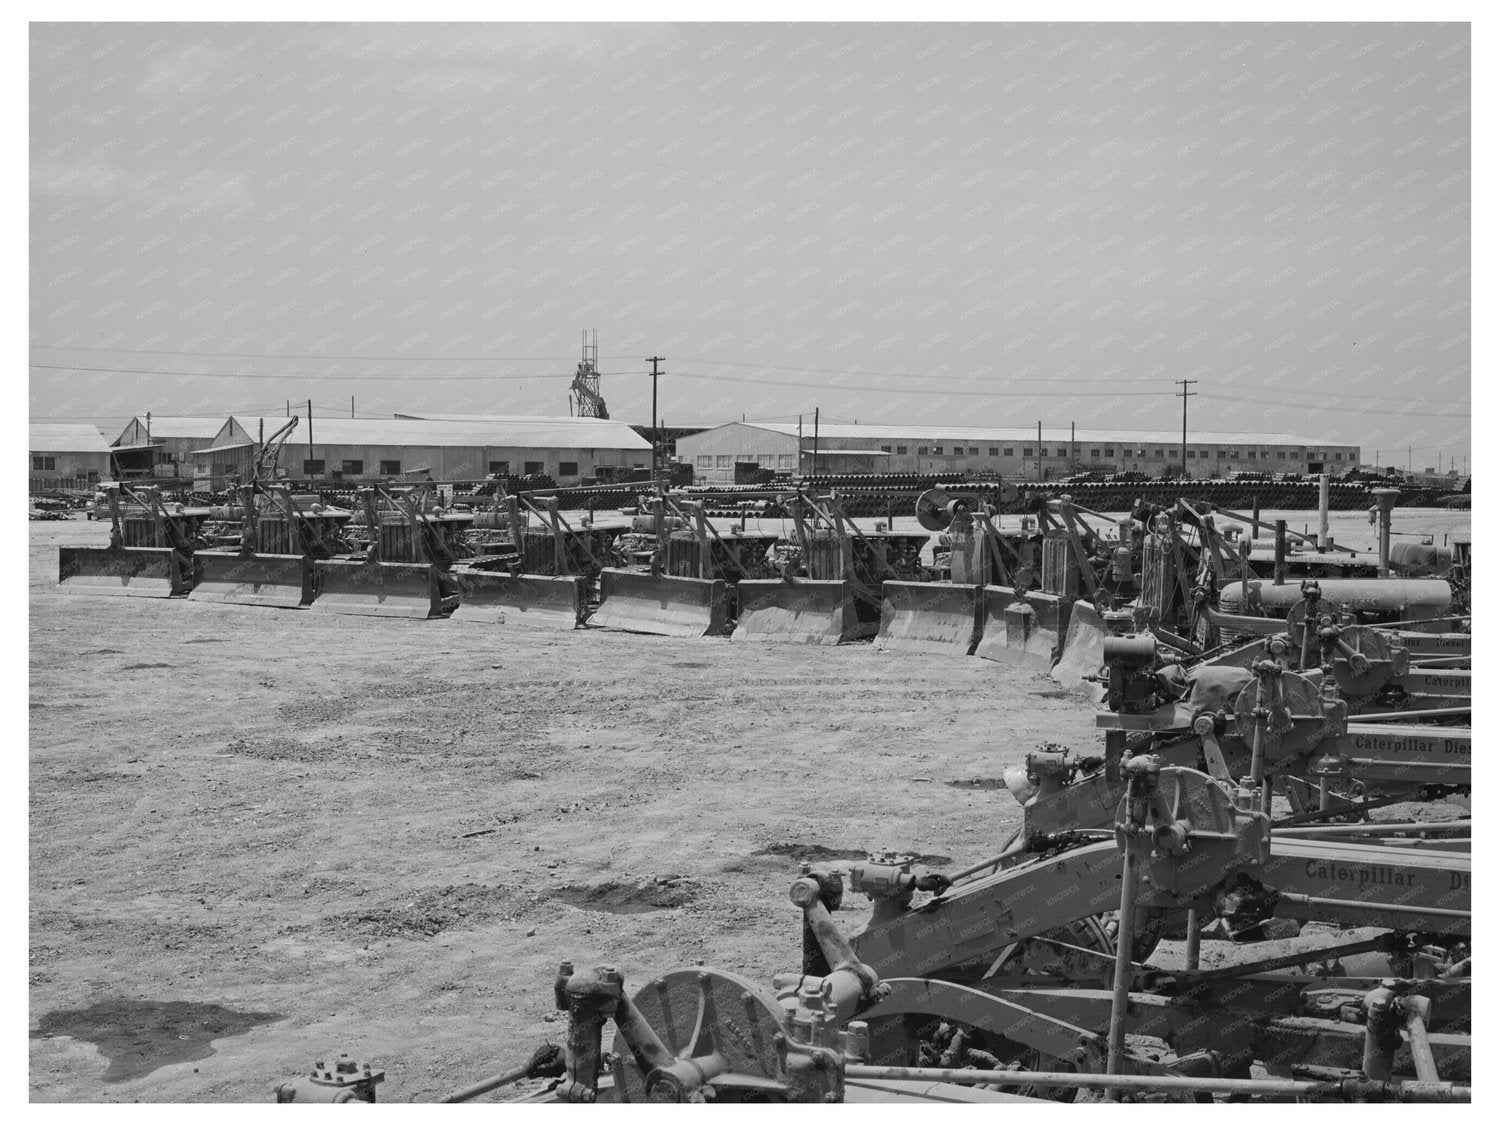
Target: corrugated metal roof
[519, 432]
[498, 417]
[170, 426]
[979, 434]
[66, 437]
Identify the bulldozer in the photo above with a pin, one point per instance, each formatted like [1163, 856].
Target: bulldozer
[282, 535]
[404, 571]
[688, 589]
[837, 597]
[152, 549]
[539, 576]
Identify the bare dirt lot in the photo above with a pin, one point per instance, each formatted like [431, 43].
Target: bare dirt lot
[381, 836]
[259, 836]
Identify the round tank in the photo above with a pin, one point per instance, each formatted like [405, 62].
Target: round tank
[1401, 599]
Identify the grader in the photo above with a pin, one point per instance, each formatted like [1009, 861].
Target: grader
[998, 982]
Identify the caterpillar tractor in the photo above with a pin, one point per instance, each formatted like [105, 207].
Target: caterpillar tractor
[282, 535]
[1000, 983]
[949, 616]
[836, 597]
[405, 569]
[1265, 720]
[1374, 667]
[152, 549]
[1034, 597]
[690, 586]
[541, 579]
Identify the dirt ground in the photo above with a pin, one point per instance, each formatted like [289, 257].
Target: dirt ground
[260, 837]
[381, 836]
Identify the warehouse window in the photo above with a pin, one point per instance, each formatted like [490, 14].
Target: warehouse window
[921, 451]
[973, 451]
[1193, 453]
[1281, 454]
[1093, 453]
[43, 463]
[500, 468]
[390, 468]
[784, 460]
[1160, 453]
[765, 460]
[705, 460]
[1062, 452]
[1010, 451]
[163, 458]
[1026, 452]
[900, 449]
[534, 467]
[1338, 456]
[312, 466]
[994, 451]
[353, 468]
[1109, 451]
[885, 448]
[567, 468]
[1203, 453]
[723, 460]
[1223, 454]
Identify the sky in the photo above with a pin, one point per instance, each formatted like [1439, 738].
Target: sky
[989, 224]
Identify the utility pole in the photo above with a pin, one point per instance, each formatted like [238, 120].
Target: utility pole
[816, 411]
[312, 470]
[1185, 394]
[1072, 444]
[655, 428]
[351, 406]
[1039, 449]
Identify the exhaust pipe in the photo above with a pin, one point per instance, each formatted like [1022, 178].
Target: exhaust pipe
[1385, 500]
[1323, 536]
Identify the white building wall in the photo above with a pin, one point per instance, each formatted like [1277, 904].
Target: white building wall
[713, 453]
[456, 463]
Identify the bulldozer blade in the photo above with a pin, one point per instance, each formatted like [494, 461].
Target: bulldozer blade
[938, 617]
[376, 589]
[142, 572]
[1022, 628]
[284, 581]
[549, 601]
[637, 602]
[802, 610]
[1083, 651]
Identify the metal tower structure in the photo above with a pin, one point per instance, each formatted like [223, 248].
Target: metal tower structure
[585, 401]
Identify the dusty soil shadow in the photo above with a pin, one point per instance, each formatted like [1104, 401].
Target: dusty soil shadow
[816, 853]
[627, 898]
[138, 1036]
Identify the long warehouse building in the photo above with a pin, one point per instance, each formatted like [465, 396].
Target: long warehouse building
[470, 447]
[1015, 453]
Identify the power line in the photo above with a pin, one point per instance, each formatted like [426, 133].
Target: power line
[1102, 383]
[284, 355]
[343, 377]
[906, 374]
[917, 390]
[1342, 410]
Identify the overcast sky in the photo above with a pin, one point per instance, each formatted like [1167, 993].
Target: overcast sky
[988, 224]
